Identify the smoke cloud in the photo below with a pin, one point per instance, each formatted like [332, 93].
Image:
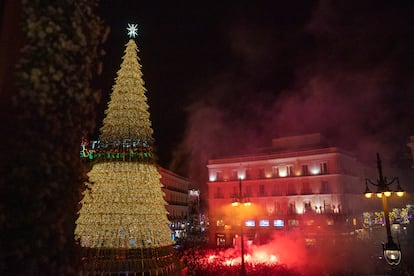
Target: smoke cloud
[343, 70]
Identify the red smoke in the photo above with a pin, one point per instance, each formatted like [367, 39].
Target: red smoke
[296, 252]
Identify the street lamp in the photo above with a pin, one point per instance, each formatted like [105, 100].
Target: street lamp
[239, 201]
[391, 250]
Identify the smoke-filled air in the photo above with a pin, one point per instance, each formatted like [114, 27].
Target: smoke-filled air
[343, 76]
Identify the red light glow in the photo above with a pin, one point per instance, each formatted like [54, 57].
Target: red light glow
[293, 253]
[269, 254]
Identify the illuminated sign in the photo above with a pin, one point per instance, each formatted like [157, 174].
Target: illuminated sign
[278, 223]
[126, 150]
[250, 223]
[264, 223]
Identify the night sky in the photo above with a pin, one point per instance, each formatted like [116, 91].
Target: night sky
[225, 78]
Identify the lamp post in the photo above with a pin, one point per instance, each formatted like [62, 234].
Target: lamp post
[391, 250]
[240, 200]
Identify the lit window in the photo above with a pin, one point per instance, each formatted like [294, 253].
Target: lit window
[286, 171]
[315, 170]
[283, 171]
[212, 177]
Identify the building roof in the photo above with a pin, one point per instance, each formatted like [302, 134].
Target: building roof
[284, 147]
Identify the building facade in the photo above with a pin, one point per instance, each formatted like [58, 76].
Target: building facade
[300, 181]
[176, 189]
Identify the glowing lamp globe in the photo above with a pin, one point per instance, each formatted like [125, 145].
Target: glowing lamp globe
[387, 193]
[400, 193]
[368, 195]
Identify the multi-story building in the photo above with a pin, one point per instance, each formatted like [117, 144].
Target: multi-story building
[300, 181]
[176, 189]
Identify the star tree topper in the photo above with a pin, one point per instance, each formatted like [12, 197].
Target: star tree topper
[132, 30]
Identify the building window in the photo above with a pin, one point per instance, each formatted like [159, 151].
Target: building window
[248, 192]
[278, 209]
[306, 190]
[262, 190]
[324, 168]
[286, 171]
[234, 175]
[275, 171]
[221, 240]
[327, 207]
[292, 189]
[293, 222]
[219, 176]
[262, 173]
[248, 174]
[325, 187]
[290, 170]
[277, 191]
[236, 192]
[305, 170]
[292, 208]
[308, 207]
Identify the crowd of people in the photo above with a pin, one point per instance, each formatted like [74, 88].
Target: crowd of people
[202, 261]
[214, 262]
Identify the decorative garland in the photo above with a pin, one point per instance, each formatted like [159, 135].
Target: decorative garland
[126, 150]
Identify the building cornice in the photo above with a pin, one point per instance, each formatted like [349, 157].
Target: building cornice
[274, 155]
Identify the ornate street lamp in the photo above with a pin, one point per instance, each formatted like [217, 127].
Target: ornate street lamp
[391, 250]
[239, 201]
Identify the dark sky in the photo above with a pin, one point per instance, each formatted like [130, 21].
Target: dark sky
[226, 78]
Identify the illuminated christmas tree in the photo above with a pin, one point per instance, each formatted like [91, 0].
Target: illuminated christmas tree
[123, 220]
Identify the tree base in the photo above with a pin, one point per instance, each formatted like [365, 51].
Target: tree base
[119, 261]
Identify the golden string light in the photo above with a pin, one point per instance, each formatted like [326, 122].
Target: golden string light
[123, 205]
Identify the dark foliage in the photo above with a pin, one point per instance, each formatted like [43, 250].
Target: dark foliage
[53, 107]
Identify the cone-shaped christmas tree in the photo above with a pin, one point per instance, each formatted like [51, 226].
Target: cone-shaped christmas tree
[123, 220]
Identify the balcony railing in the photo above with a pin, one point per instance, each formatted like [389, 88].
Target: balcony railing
[273, 176]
